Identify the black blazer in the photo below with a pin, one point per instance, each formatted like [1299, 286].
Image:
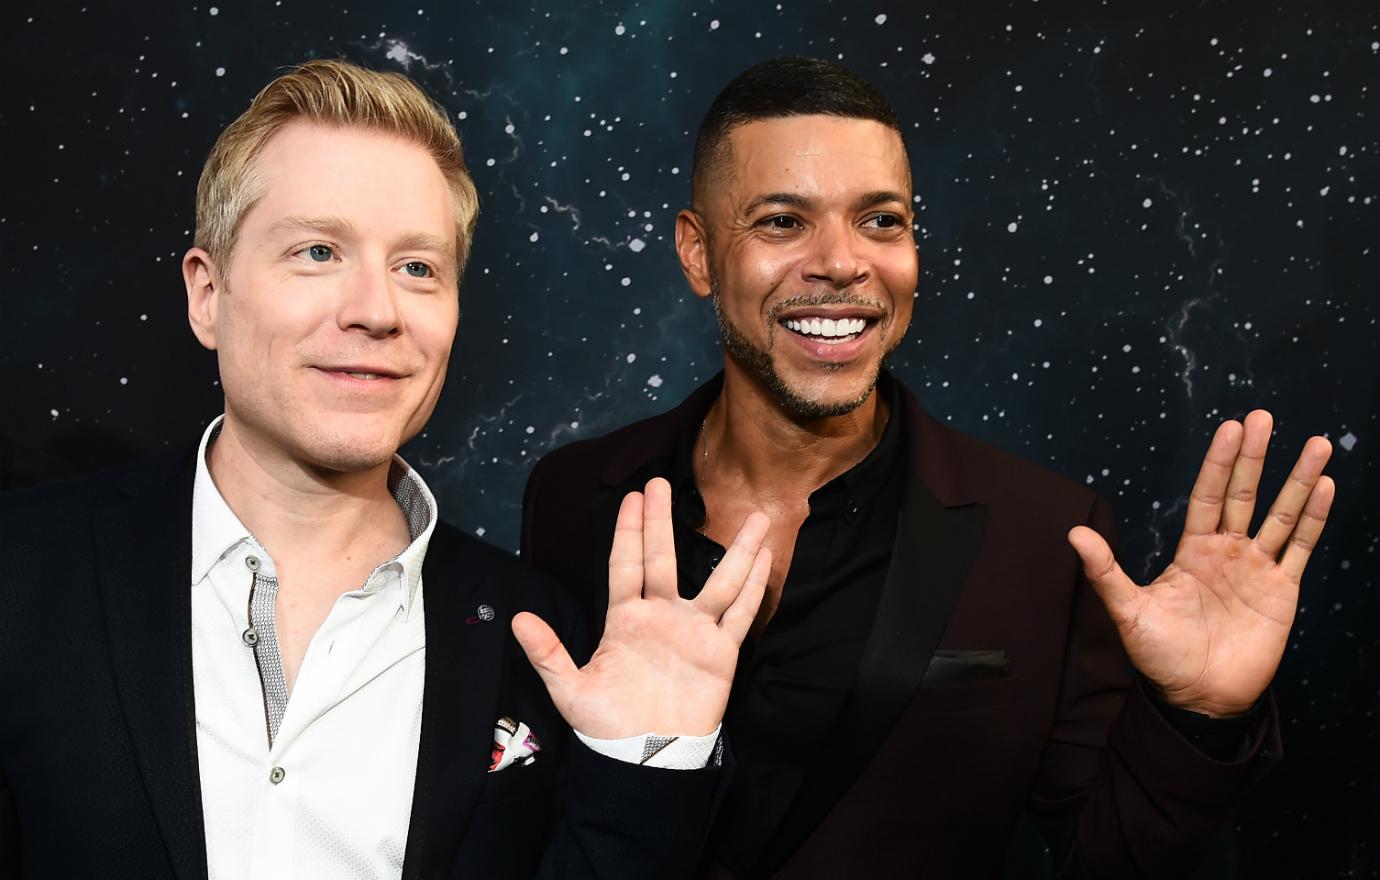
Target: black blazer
[98, 761]
[992, 681]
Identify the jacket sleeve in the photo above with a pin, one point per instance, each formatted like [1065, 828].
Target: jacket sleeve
[1120, 792]
[626, 820]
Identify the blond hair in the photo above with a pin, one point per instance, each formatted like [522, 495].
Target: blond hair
[332, 93]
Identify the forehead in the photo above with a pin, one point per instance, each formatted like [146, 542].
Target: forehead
[819, 155]
[371, 178]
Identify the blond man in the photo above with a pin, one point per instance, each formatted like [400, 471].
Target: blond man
[263, 655]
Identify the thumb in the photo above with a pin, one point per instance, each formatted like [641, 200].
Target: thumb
[1118, 592]
[546, 654]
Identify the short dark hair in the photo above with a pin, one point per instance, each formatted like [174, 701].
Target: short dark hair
[784, 87]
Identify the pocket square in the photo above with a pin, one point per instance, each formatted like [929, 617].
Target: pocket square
[514, 743]
[966, 667]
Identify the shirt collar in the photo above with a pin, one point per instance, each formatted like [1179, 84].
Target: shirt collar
[858, 485]
[216, 530]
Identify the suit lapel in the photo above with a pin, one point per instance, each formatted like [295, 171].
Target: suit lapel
[933, 550]
[464, 663]
[144, 562]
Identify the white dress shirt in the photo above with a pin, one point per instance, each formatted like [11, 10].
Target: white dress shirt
[320, 784]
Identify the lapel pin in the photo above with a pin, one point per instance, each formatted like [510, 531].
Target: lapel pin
[482, 613]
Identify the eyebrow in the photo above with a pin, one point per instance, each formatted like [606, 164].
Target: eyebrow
[339, 227]
[880, 197]
[795, 200]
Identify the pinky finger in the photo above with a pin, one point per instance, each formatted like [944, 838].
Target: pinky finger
[1309, 528]
[737, 620]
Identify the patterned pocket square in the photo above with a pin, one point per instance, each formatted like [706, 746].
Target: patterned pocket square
[514, 743]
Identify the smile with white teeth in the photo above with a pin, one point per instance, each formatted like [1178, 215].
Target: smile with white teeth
[364, 375]
[827, 329]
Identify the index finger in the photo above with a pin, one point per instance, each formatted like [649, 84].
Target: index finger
[1210, 489]
[625, 560]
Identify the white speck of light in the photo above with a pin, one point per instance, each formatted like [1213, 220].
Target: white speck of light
[631, 358]
[636, 245]
[1011, 227]
[1268, 71]
[534, 236]
[220, 71]
[53, 413]
[654, 380]
[1341, 151]
[625, 281]
[928, 58]
[1049, 279]
[124, 380]
[880, 19]
[1147, 203]
[714, 25]
[620, 30]
[565, 51]
[1039, 322]
[214, 10]
[1347, 441]
[531, 430]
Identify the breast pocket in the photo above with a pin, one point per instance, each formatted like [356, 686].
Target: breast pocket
[533, 781]
[966, 681]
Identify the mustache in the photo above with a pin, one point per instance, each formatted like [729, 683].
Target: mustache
[829, 298]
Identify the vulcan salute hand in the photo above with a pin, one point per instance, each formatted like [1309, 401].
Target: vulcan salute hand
[1209, 632]
[665, 664]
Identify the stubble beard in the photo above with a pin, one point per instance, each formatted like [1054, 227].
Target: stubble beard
[758, 361]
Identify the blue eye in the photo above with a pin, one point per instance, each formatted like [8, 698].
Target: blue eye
[417, 269]
[320, 253]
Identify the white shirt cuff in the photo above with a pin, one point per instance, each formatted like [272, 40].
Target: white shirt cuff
[666, 752]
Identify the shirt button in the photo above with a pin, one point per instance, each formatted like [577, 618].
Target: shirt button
[249, 637]
[252, 563]
[850, 509]
[276, 775]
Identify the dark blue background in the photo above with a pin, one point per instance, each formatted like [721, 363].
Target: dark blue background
[1135, 222]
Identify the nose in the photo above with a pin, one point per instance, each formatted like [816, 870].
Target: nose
[837, 255]
[368, 302]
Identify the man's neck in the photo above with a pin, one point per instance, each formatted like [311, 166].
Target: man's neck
[304, 515]
[755, 445]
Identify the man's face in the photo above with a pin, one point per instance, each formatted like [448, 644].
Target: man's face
[810, 257]
[336, 317]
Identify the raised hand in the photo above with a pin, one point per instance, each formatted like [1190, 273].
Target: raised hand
[665, 664]
[1209, 632]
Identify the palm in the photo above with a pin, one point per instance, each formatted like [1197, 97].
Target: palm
[665, 664]
[1209, 632]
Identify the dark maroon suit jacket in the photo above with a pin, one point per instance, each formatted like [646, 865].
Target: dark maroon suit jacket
[934, 757]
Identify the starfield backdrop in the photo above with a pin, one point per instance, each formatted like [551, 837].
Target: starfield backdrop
[1135, 220]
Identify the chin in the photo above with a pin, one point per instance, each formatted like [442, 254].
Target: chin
[822, 400]
[350, 451]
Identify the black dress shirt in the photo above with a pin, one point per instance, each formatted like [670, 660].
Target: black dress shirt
[791, 682]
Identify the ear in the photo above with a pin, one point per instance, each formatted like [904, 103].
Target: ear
[692, 246]
[203, 283]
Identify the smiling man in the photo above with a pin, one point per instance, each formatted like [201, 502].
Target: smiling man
[263, 655]
[945, 636]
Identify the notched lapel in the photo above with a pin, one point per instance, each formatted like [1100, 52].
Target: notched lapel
[932, 553]
[144, 560]
[464, 667]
